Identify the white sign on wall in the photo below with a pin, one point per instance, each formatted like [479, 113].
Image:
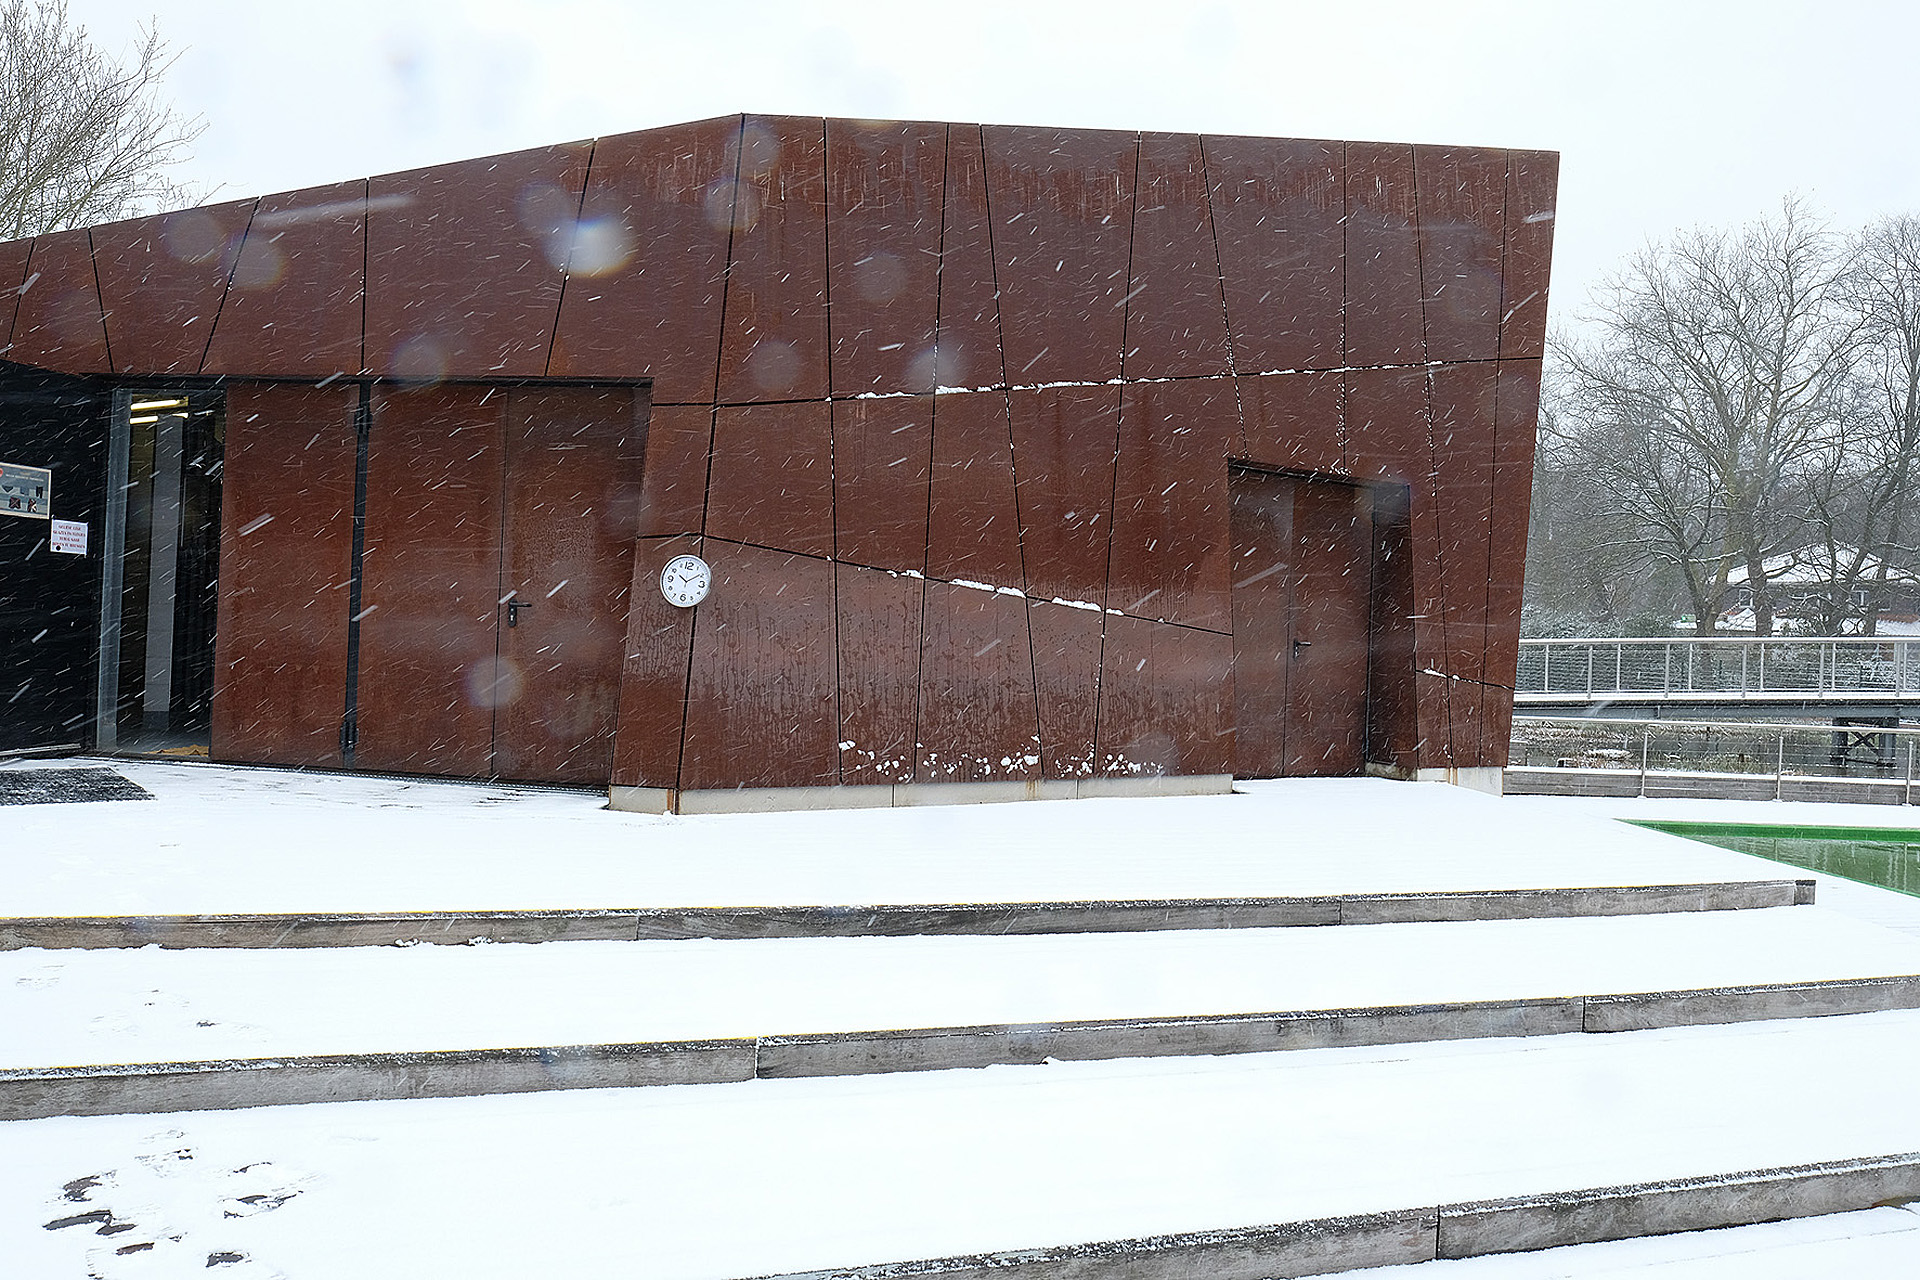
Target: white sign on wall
[26, 491]
[69, 537]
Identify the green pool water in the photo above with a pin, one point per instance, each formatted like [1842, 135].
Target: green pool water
[1884, 856]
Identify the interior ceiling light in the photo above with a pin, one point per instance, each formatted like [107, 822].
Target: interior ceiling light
[141, 422]
[181, 403]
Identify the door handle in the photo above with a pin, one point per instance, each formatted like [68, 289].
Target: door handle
[1298, 645]
[515, 605]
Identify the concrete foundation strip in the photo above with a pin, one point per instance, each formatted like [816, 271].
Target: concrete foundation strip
[39, 1092]
[1324, 1246]
[390, 928]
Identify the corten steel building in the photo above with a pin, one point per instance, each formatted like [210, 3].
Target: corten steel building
[1026, 461]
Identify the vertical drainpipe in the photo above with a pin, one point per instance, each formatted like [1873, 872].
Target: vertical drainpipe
[362, 433]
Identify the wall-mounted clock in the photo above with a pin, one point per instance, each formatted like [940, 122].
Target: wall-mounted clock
[685, 581]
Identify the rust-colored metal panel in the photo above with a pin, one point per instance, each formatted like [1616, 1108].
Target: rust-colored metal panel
[1063, 459]
[294, 307]
[969, 334]
[1066, 682]
[571, 505]
[1062, 202]
[286, 553]
[761, 698]
[13, 269]
[884, 270]
[1279, 209]
[1383, 287]
[879, 663]
[653, 675]
[771, 482]
[1515, 417]
[1387, 440]
[163, 280]
[1533, 179]
[648, 264]
[977, 716]
[1170, 560]
[773, 343]
[673, 497]
[1462, 199]
[1176, 321]
[465, 262]
[1165, 700]
[430, 582]
[882, 456]
[973, 527]
[1463, 435]
[1293, 421]
[58, 324]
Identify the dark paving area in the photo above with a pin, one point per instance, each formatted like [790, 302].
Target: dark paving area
[67, 786]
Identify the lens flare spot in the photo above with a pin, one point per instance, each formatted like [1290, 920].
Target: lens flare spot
[601, 246]
[493, 683]
[194, 236]
[422, 358]
[773, 366]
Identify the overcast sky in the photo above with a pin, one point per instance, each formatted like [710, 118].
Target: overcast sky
[1667, 113]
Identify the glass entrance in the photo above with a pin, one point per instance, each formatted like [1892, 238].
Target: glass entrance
[158, 603]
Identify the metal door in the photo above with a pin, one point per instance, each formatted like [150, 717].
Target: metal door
[1302, 557]
[571, 501]
[498, 556]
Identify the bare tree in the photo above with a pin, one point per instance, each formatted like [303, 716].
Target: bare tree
[1717, 367]
[83, 138]
[1884, 291]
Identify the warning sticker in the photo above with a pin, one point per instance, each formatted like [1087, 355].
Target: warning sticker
[69, 537]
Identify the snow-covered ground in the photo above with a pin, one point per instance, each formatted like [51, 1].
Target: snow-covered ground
[772, 1175]
[239, 840]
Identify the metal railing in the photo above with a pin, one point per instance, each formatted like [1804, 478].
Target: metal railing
[1740, 748]
[1792, 668]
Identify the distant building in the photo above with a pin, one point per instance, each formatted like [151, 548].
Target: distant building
[1013, 461]
[1813, 587]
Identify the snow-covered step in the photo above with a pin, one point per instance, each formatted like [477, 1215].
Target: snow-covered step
[91, 1032]
[1871, 1243]
[891, 919]
[1260, 1165]
[223, 842]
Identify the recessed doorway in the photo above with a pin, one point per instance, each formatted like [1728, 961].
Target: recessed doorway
[161, 574]
[1319, 664]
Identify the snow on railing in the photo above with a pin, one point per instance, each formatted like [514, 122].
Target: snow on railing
[1640, 669]
[1744, 748]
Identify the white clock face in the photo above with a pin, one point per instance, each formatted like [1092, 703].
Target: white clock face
[685, 581]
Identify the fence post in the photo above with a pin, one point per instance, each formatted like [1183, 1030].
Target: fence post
[1745, 649]
[1780, 765]
[1646, 736]
[1909, 770]
[1690, 649]
[1589, 670]
[1619, 656]
[1763, 668]
[1546, 667]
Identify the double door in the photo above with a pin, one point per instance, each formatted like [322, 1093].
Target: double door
[494, 579]
[1302, 590]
